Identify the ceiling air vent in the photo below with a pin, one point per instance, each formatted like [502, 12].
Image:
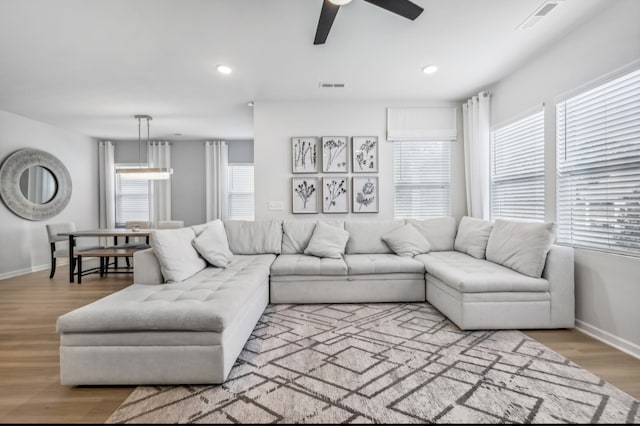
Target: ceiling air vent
[331, 85]
[540, 13]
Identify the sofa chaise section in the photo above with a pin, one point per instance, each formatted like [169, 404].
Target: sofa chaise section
[479, 294]
[174, 333]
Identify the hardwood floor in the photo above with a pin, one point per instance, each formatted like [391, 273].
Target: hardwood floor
[31, 391]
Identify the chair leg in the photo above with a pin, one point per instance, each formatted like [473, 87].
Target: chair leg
[79, 263]
[53, 267]
[101, 267]
[53, 260]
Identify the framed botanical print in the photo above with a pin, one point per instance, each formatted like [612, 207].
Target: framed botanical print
[335, 195]
[365, 194]
[305, 155]
[334, 154]
[304, 193]
[364, 152]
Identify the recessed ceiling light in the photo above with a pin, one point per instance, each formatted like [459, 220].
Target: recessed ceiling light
[430, 69]
[250, 103]
[224, 69]
[340, 2]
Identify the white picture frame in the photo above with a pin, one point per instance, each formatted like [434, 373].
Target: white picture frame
[335, 194]
[365, 194]
[335, 158]
[304, 195]
[364, 154]
[305, 154]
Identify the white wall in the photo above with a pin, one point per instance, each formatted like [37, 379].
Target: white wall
[24, 246]
[607, 286]
[275, 123]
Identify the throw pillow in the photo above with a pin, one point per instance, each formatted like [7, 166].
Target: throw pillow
[406, 241]
[521, 246]
[212, 244]
[177, 257]
[327, 241]
[473, 235]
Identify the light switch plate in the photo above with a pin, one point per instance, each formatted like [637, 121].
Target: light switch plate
[276, 205]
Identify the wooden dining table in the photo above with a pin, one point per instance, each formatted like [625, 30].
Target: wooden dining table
[115, 233]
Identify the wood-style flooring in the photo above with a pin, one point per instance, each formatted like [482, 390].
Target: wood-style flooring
[31, 390]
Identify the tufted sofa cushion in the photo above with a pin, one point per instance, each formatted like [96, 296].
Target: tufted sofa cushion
[301, 264]
[467, 274]
[361, 264]
[208, 301]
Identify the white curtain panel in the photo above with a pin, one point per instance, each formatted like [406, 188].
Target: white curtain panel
[159, 155]
[476, 114]
[106, 185]
[216, 170]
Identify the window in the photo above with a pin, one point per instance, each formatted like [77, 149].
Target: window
[517, 170]
[598, 161]
[132, 198]
[421, 179]
[241, 197]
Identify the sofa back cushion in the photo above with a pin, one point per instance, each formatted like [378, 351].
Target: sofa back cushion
[177, 257]
[521, 246]
[365, 237]
[254, 237]
[472, 237]
[439, 231]
[296, 234]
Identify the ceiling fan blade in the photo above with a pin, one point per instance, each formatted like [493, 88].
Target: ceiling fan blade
[404, 8]
[327, 15]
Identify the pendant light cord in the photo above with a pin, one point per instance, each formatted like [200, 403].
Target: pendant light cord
[139, 142]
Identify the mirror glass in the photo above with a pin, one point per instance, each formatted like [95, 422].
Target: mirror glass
[38, 184]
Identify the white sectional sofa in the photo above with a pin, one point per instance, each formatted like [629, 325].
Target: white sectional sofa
[192, 331]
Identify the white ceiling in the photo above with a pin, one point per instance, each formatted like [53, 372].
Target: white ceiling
[89, 66]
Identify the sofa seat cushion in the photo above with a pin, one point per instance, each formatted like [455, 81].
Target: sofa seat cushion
[301, 264]
[208, 301]
[467, 274]
[360, 264]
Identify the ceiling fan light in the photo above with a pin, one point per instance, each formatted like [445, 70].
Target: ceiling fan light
[340, 2]
[430, 69]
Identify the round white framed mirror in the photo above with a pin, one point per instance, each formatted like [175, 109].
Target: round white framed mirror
[34, 184]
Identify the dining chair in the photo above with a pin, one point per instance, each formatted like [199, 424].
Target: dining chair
[59, 245]
[170, 224]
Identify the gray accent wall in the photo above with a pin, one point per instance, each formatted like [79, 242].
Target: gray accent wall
[188, 180]
[607, 286]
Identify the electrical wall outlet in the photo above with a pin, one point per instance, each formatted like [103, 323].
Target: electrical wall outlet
[276, 205]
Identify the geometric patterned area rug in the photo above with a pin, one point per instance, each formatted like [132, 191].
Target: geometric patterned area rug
[386, 363]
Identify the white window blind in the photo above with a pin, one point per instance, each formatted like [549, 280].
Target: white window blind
[241, 194]
[132, 199]
[421, 179]
[598, 161]
[517, 170]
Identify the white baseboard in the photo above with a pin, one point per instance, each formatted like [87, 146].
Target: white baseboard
[61, 268]
[608, 338]
[25, 271]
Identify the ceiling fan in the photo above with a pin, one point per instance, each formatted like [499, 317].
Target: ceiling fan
[330, 9]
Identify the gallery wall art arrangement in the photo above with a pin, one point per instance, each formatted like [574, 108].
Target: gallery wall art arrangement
[331, 193]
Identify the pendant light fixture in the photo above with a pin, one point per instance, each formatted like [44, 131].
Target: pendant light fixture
[145, 173]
